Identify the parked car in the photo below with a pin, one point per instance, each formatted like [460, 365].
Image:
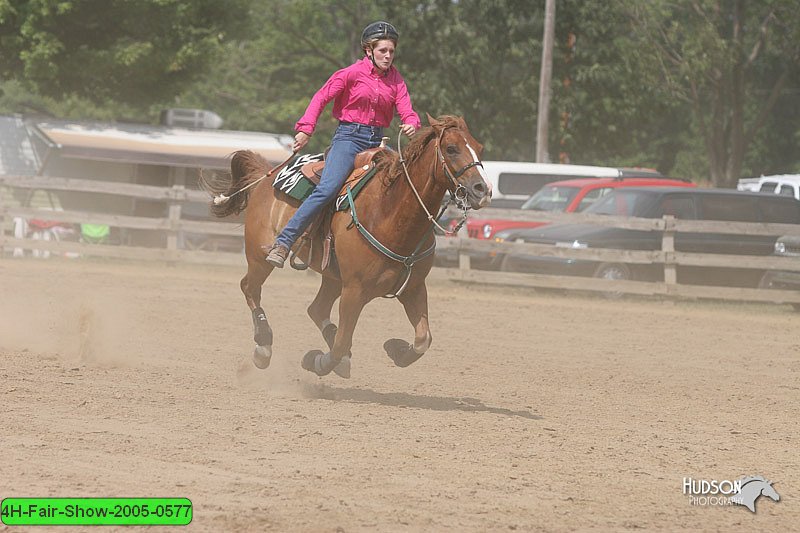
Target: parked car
[513, 183]
[784, 185]
[655, 202]
[785, 246]
[568, 196]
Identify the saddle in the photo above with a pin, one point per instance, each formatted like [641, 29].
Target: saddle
[363, 163]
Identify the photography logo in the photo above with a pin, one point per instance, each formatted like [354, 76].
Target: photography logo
[744, 491]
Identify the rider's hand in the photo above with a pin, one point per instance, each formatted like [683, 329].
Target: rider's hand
[300, 140]
[408, 129]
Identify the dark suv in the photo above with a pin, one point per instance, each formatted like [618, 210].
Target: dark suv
[655, 202]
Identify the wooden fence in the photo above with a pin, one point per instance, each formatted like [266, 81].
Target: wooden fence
[172, 225]
[667, 256]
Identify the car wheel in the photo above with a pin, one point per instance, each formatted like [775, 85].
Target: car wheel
[509, 264]
[765, 282]
[505, 264]
[613, 271]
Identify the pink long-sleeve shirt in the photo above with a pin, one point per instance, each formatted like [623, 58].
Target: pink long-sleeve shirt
[362, 94]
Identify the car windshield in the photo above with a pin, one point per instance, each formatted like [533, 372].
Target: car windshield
[623, 203]
[551, 198]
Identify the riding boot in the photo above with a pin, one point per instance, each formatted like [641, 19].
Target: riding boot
[277, 255]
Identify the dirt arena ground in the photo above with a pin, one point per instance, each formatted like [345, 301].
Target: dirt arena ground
[531, 412]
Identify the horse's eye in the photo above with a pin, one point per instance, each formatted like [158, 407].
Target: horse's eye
[452, 149]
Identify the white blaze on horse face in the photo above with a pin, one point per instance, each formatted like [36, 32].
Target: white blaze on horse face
[480, 168]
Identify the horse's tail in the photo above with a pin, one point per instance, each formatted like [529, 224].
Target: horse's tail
[246, 167]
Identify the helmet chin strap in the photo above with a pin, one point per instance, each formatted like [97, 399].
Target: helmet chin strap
[372, 58]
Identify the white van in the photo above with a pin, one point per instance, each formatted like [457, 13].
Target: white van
[783, 184]
[514, 182]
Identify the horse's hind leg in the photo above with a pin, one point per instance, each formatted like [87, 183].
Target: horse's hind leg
[338, 359]
[262, 334]
[415, 302]
[320, 308]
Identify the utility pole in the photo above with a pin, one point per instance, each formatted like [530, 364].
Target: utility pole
[542, 121]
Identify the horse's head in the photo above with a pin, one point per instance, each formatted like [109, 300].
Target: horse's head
[458, 153]
[769, 491]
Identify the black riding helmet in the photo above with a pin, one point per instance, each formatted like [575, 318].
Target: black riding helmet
[378, 30]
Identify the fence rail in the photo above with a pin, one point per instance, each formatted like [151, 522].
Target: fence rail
[173, 225]
[134, 190]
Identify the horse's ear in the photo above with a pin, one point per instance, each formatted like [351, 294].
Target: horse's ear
[432, 121]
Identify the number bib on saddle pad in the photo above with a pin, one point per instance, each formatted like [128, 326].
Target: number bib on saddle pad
[293, 182]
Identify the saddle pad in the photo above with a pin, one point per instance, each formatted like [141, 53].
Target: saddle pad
[290, 179]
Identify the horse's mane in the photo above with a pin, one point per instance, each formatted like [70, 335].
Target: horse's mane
[389, 165]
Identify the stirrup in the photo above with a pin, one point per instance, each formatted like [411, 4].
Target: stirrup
[296, 264]
[294, 261]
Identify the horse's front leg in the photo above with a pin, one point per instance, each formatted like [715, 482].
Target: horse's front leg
[338, 359]
[415, 302]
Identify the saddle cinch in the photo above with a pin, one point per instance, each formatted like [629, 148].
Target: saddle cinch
[364, 168]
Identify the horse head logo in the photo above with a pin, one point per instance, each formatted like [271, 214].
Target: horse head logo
[752, 488]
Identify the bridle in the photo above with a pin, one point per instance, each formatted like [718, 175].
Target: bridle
[458, 193]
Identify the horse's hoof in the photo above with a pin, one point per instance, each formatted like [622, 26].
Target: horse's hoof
[401, 352]
[396, 347]
[262, 356]
[343, 368]
[309, 359]
[317, 362]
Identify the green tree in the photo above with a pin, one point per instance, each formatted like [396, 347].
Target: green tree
[268, 74]
[467, 58]
[603, 115]
[479, 59]
[729, 60]
[113, 51]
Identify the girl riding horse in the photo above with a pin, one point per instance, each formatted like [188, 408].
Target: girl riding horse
[365, 96]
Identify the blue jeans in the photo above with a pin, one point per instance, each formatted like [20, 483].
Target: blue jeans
[349, 140]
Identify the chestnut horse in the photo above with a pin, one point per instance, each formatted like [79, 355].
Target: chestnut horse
[383, 245]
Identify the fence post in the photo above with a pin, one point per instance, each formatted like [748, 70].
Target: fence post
[174, 219]
[463, 257]
[178, 186]
[3, 223]
[668, 247]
